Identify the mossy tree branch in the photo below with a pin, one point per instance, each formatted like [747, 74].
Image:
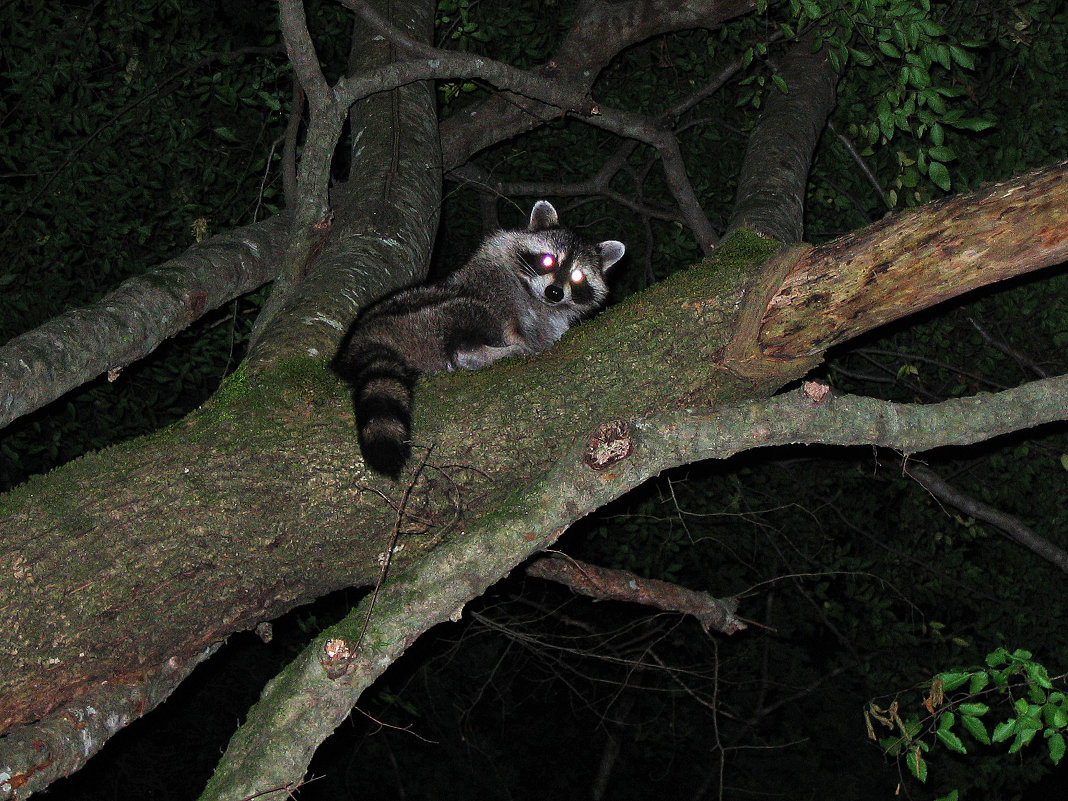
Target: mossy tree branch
[314, 694]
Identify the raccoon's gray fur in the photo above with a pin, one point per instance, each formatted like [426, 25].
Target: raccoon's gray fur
[517, 295]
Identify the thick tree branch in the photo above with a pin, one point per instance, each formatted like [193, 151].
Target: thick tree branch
[771, 187]
[314, 694]
[130, 322]
[311, 211]
[914, 260]
[383, 218]
[43, 752]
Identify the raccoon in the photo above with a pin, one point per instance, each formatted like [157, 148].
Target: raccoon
[518, 294]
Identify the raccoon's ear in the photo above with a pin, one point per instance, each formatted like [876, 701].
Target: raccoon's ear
[611, 252]
[543, 216]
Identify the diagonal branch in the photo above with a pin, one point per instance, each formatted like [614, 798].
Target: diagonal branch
[315, 693]
[602, 583]
[131, 321]
[1012, 526]
[913, 260]
[301, 51]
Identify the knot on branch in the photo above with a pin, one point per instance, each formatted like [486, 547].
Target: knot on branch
[610, 443]
[337, 656]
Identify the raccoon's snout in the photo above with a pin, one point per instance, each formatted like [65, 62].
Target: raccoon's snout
[554, 293]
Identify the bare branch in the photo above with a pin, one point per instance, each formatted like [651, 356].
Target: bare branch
[635, 126]
[451, 64]
[556, 93]
[377, 22]
[598, 185]
[289, 149]
[1014, 353]
[301, 50]
[621, 585]
[865, 168]
[1013, 527]
[600, 32]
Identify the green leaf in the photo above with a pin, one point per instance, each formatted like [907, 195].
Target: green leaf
[942, 153]
[917, 766]
[997, 657]
[889, 50]
[1054, 716]
[1022, 738]
[1056, 747]
[975, 728]
[951, 741]
[974, 709]
[938, 135]
[979, 682]
[951, 681]
[226, 133]
[939, 175]
[1004, 731]
[1039, 675]
[962, 57]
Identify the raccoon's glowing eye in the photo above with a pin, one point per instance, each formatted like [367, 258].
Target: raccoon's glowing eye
[577, 276]
[548, 261]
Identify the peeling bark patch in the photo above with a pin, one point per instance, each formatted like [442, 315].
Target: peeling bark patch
[18, 780]
[816, 391]
[609, 444]
[195, 302]
[337, 654]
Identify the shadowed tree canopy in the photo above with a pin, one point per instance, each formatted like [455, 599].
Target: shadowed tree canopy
[838, 234]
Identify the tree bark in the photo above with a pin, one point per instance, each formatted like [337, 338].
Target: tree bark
[130, 322]
[162, 533]
[774, 176]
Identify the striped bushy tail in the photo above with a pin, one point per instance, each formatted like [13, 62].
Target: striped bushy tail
[382, 384]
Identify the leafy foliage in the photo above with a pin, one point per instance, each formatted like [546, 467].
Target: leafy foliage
[1013, 680]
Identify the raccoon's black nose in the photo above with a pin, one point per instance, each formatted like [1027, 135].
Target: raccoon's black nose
[554, 293]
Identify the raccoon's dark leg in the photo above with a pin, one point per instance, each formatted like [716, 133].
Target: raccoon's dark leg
[478, 338]
[382, 385]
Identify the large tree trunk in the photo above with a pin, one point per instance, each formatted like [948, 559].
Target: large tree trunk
[259, 501]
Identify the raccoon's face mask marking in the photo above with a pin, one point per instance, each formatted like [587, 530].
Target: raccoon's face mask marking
[553, 278]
